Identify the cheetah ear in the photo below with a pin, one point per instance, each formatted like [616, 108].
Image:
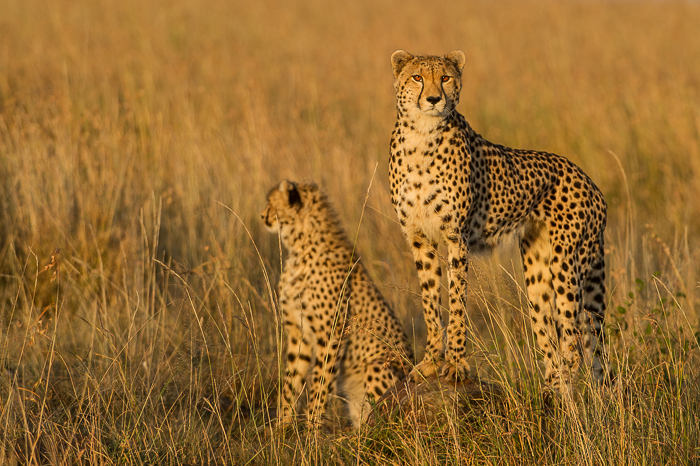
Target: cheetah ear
[399, 60]
[293, 196]
[457, 57]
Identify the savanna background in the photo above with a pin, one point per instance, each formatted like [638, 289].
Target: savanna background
[140, 138]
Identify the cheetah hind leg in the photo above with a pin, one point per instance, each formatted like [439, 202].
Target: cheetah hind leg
[536, 253]
[362, 390]
[592, 321]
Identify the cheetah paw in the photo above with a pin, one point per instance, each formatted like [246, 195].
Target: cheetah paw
[455, 371]
[424, 369]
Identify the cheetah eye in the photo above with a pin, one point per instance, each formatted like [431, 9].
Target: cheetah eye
[417, 77]
[446, 78]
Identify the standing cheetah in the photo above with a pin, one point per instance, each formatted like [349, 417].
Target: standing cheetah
[335, 318]
[450, 185]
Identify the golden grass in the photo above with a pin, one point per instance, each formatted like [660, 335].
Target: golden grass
[127, 129]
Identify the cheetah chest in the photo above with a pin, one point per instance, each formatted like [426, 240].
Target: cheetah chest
[419, 193]
[294, 287]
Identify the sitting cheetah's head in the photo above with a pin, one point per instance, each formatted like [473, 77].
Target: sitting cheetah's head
[427, 84]
[289, 204]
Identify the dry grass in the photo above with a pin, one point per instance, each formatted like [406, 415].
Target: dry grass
[127, 129]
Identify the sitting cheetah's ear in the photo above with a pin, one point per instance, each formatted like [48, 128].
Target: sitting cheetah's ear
[399, 60]
[293, 196]
[457, 57]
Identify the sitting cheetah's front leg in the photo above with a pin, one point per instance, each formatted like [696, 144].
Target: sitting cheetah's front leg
[325, 370]
[298, 358]
[456, 367]
[429, 274]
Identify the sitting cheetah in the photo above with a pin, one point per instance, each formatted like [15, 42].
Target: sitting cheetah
[335, 318]
[450, 185]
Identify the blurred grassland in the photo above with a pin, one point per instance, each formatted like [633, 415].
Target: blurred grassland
[140, 138]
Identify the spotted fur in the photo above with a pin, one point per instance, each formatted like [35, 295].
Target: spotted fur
[339, 328]
[450, 185]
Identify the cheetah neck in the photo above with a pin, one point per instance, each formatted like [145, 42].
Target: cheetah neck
[415, 121]
[417, 132]
[318, 234]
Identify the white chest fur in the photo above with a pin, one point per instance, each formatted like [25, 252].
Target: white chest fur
[294, 287]
[420, 197]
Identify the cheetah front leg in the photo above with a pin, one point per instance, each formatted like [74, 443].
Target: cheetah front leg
[429, 274]
[298, 357]
[328, 333]
[456, 367]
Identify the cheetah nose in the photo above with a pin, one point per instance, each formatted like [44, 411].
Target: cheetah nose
[433, 99]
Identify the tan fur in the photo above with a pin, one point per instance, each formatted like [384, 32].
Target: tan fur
[338, 326]
[451, 186]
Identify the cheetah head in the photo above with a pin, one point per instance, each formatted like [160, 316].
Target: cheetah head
[292, 205]
[427, 85]
[284, 203]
